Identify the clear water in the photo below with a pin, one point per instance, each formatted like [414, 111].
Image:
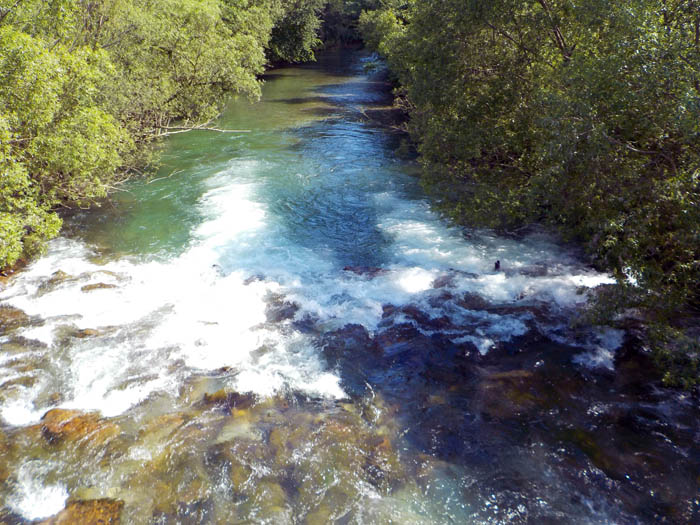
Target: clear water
[301, 265]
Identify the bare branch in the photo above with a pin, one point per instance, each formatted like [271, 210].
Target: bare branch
[186, 129]
[9, 10]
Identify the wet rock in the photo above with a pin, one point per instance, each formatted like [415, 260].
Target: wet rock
[448, 280]
[229, 401]
[398, 334]
[5, 469]
[366, 271]
[87, 332]
[97, 286]
[444, 281]
[24, 381]
[336, 504]
[507, 394]
[240, 475]
[635, 370]
[91, 512]
[57, 278]
[269, 493]
[585, 441]
[278, 310]
[472, 301]
[60, 425]
[7, 273]
[21, 344]
[253, 279]
[534, 270]
[12, 318]
[160, 430]
[351, 339]
[424, 320]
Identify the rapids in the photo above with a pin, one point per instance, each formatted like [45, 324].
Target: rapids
[278, 328]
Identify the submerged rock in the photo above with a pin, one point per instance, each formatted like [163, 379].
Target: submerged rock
[367, 271]
[57, 278]
[448, 280]
[534, 270]
[97, 286]
[91, 512]
[60, 425]
[230, 401]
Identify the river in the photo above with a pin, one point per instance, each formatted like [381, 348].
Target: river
[278, 328]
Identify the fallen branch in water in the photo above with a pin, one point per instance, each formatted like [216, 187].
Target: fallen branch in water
[166, 177]
[184, 129]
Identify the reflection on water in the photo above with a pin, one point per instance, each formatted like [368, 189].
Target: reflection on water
[277, 328]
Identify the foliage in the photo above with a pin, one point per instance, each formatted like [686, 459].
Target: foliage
[295, 35]
[582, 115]
[84, 84]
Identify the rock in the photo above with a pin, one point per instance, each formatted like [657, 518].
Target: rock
[448, 280]
[472, 301]
[12, 318]
[254, 278]
[535, 270]
[367, 271]
[60, 425]
[23, 381]
[508, 394]
[90, 512]
[5, 469]
[278, 310]
[87, 332]
[97, 286]
[444, 281]
[21, 344]
[229, 401]
[57, 278]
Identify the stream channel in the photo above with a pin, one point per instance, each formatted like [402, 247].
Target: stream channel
[278, 328]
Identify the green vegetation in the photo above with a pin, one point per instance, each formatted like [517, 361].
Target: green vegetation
[581, 115]
[85, 84]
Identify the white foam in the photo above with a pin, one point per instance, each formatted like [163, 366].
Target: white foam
[196, 310]
[601, 351]
[33, 498]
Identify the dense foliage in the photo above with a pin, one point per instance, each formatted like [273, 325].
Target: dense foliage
[584, 115]
[85, 83]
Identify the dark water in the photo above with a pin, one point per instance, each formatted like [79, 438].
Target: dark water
[277, 328]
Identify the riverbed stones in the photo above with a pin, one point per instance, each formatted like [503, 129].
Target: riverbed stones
[91, 512]
[61, 425]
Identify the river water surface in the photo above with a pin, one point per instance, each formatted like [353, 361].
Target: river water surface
[277, 328]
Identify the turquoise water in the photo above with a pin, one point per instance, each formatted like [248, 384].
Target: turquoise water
[277, 327]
